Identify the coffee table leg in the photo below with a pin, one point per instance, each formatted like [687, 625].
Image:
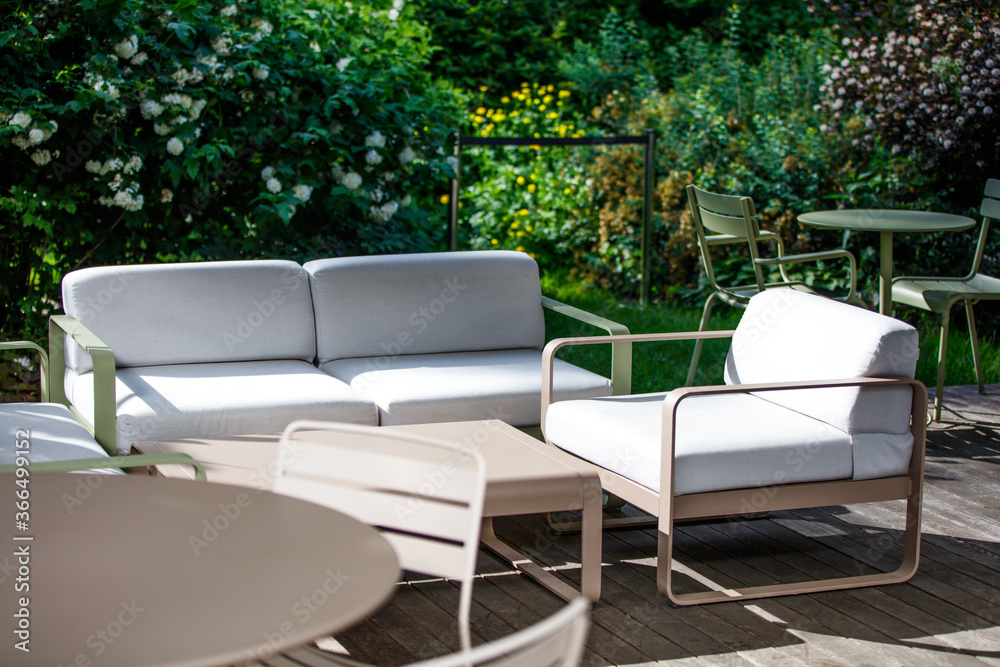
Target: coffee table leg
[525, 564]
[591, 540]
[885, 273]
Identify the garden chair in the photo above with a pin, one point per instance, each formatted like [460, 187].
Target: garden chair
[556, 641]
[730, 219]
[49, 438]
[940, 294]
[819, 408]
[424, 495]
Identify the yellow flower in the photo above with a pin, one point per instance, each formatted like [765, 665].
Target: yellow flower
[520, 180]
[494, 242]
[568, 191]
[520, 248]
[531, 187]
[519, 234]
[561, 130]
[550, 88]
[479, 119]
[532, 177]
[529, 228]
[525, 120]
[497, 117]
[483, 89]
[564, 93]
[445, 199]
[515, 224]
[542, 107]
[504, 100]
[547, 99]
[523, 211]
[536, 101]
[551, 115]
[480, 111]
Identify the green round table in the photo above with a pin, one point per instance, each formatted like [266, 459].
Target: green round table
[886, 222]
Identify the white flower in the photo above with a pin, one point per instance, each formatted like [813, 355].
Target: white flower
[351, 181]
[343, 63]
[127, 47]
[384, 212]
[175, 146]
[21, 119]
[228, 10]
[372, 157]
[302, 192]
[375, 140]
[36, 136]
[260, 73]
[406, 200]
[273, 185]
[166, 196]
[139, 58]
[267, 173]
[222, 45]
[150, 109]
[133, 165]
[41, 158]
[407, 156]
[161, 129]
[93, 166]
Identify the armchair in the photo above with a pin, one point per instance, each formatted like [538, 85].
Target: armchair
[819, 407]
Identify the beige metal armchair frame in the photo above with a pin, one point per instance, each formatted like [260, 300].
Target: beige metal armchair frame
[939, 295]
[728, 219]
[670, 509]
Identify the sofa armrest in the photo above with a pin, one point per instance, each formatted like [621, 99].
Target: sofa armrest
[553, 346]
[621, 352]
[43, 363]
[133, 461]
[102, 423]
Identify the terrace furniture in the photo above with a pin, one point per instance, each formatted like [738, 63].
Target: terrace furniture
[556, 641]
[46, 436]
[137, 570]
[210, 348]
[819, 408]
[886, 222]
[425, 496]
[523, 476]
[940, 294]
[729, 219]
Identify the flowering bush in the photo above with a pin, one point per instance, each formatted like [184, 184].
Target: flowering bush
[154, 130]
[927, 88]
[530, 198]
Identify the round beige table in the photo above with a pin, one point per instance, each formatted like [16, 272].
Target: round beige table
[136, 570]
[886, 222]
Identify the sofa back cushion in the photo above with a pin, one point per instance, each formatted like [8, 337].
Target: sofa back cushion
[388, 305]
[786, 335]
[196, 312]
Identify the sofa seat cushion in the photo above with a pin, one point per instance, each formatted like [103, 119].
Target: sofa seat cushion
[52, 433]
[200, 400]
[729, 441]
[499, 384]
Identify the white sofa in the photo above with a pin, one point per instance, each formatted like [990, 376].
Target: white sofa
[214, 348]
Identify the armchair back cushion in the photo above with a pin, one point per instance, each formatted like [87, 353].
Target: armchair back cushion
[197, 312]
[428, 303]
[790, 336]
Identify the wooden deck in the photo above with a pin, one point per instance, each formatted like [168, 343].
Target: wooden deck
[948, 614]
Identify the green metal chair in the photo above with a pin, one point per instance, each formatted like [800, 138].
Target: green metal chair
[939, 294]
[40, 416]
[731, 219]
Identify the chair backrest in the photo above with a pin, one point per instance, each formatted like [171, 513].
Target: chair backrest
[990, 210]
[424, 495]
[557, 641]
[425, 303]
[786, 335]
[726, 217]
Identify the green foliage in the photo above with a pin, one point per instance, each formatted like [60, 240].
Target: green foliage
[157, 131]
[528, 198]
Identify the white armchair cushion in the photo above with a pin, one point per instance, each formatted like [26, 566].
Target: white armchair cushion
[194, 312]
[198, 400]
[499, 384]
[53, 435]
[391, 305]
[786, 335]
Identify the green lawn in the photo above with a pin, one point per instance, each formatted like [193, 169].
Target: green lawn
[663, 366]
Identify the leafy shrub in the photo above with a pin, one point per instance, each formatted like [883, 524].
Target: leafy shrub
[156, 131]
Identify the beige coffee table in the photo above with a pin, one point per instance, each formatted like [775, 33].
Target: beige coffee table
[524, 476]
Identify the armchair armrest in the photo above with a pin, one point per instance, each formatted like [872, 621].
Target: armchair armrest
[43, 363]
[621, 351]
[102, 423]
[783, 260]
[133, 461]
[553, 346]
